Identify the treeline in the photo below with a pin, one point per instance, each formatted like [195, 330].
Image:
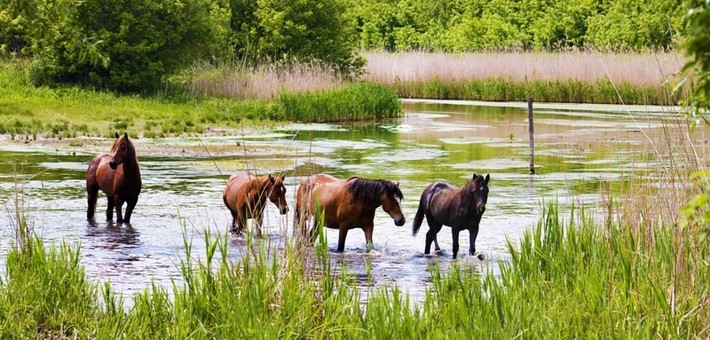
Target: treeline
[131, 45]
[550, 25]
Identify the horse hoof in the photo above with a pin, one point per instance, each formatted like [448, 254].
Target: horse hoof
[479, 256]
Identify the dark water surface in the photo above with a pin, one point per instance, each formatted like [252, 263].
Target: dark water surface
[578, 149]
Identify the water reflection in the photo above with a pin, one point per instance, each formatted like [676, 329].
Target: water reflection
[114, 236]
[577, 153]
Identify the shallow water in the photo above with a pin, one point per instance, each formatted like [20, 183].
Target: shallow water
[577, 149]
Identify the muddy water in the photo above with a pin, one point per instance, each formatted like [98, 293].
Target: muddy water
[578, 148]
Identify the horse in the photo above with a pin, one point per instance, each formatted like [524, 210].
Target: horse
[245, 197]
[346, 204]
[460, 208]
[119, 176]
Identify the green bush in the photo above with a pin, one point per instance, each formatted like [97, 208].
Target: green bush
[128, 45]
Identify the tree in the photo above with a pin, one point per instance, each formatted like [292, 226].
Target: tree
[307, 30]
[128, 45]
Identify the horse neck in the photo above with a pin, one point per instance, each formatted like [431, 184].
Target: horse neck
[466, 199]
[130, 167]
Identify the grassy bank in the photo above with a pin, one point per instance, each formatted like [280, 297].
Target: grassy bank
[548, 77]
[27, 111]
[568, 277]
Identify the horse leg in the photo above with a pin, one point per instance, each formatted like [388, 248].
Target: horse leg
[368, 236]
[130, 204]
[455, 236]
[92, 193]
[119, 205]
[109, 208]
[234, 221]
[434, 228]
[473, 231]
[341, 239]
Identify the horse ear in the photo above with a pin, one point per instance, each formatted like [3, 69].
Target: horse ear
[283, 177]
[125, 135]
[488, 177]
[116, 135]
[396, 184]
[474, 177]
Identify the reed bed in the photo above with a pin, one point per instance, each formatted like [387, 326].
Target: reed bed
[265, 82]
[650, 69]
[583, 77]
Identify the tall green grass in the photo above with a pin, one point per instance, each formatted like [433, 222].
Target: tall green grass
[570, 91]
[27, 112]
[565, 279]
[580, 279]
[356, 102]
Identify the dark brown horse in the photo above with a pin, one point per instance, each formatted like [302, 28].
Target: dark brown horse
[119, 176]
[346, 204]
[245, 196]
[459, 208]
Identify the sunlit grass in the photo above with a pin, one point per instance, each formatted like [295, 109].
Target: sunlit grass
[27, 112]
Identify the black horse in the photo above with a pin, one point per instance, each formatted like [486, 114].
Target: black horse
[459, 208]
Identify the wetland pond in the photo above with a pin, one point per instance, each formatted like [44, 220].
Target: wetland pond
[579, 149]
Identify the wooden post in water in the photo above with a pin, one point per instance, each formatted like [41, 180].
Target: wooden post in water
[531, 131]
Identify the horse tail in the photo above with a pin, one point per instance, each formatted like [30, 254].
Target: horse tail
[417, 223]
[424, 206]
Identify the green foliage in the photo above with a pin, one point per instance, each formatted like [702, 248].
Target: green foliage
[133, 43]
[697, 48]
[468, 25]
[697, 68]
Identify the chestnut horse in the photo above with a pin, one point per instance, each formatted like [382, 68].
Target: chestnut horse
[460, 208]
[346, 204]
[245, 196]
[119, 176]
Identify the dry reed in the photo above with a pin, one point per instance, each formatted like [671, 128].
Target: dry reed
[261, 82]
[650, 69]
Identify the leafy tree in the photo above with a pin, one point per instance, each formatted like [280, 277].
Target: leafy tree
[308, 30]
[697, 49]
[13, 31]
[134, 43]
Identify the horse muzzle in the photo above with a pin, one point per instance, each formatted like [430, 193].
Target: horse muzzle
[283, 210]
[113, 165]
[480, 209]
[399, 221]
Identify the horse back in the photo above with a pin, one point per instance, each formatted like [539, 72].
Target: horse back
[100, 174]
[235, 191]
[441, 201]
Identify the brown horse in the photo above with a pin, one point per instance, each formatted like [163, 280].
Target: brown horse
[346, 204]
[460, 208]
[245, 196]
[119, 176]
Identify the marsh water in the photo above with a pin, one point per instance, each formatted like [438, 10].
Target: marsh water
[578, 151]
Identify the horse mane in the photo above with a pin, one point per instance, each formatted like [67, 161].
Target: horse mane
[130, 150]
[371, 189]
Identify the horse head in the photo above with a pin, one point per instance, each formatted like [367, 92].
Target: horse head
[391, 201]
[478, 188]
[122, 151]
[277, 194]
[258, 187]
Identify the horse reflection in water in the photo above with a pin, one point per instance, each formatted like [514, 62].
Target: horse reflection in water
[119, 176]
[460, 208]
[345, 204]
[113, 236]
